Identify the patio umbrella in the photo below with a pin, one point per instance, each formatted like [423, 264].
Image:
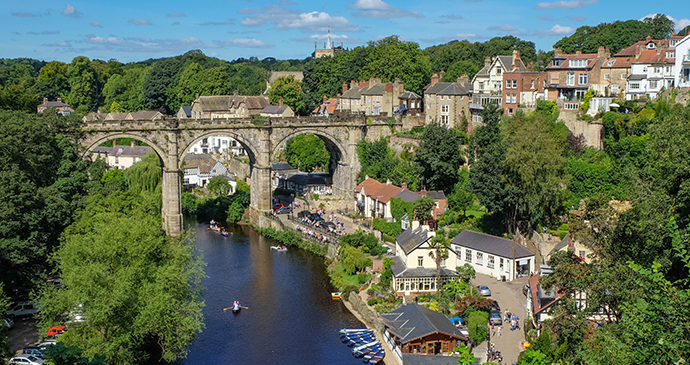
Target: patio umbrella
[614, 105]
[56, 330]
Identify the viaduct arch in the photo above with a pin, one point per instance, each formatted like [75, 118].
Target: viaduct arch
[171, 138]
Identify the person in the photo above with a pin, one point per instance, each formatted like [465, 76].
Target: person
[498, 331]
[493, 329]
[283, 247]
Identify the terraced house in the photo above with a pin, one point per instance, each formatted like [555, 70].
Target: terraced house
[570, 76]
[227, 106]
[371, 97]
[447, 103]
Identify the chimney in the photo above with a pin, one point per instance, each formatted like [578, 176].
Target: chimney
[674, 34]
[388, 181]
[132, 144]
[45, 100]
[487, 61]
[464, 80]
[601, 52]
[339, 95]
[415, 224]
[324, 98]
[353, 84]
[280, 102]
[557, 52]
[344, 87]
[440, 75]
[404, 185]
[516, 56]
[578, 52]
[434, 79]
[115, 143]
[59, 100]
[649, 38]
[363, 84]
[366, 177]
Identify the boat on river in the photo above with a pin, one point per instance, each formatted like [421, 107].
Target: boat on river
[279, 248]
[236, 307]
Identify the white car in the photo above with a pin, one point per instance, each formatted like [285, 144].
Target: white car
[23, 309]
[26, 360]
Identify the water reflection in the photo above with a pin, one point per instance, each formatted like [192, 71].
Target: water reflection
[290, 319]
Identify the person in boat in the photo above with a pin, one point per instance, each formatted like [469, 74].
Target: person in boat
[213, 223]
[283, 247]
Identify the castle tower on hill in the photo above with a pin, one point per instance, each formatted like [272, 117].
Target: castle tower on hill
[328, 49]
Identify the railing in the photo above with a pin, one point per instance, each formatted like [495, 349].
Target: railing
[305, 228]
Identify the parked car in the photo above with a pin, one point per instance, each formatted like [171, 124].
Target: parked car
[23, 309]
[33, 350]
[484, 290]
[284, 210]
[43, 345]
[277, 206]
[304, 213]
[316, 217]
[26, 360]
[328, 224]
[495, 306]
[7, 322]
[495, 317]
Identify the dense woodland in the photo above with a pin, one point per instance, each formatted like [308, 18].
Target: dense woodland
[61, 214]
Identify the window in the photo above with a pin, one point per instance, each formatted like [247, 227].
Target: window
[582, 254]
[614, 89]
[117, 161]
[444, 108]
[420, 261]
[607, 76]
[480, 258]
[481, 86]
[668, 69]
[657, 70]
[510, 111]
[513, 98]
[378, 99]
[653, 84]
[578, 63]
[634, 85]
[514, 84]
[498, 70]
[508, 84]
[445, 120]
[580, 95]
[532, 87]
[501, 262]
[570, 81]
[443, 263]
[624, 76]
[507, 98]
[582, 79]
[490, 264]
[468, 255]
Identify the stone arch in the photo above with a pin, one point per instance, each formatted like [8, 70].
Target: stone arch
[115, 135]
[332, 143]
[252, 150]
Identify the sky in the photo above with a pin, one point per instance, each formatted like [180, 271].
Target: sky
[136, 30]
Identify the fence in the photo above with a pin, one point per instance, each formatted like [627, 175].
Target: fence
[332, 236]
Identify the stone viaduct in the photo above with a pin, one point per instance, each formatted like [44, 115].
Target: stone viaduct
[262, 139]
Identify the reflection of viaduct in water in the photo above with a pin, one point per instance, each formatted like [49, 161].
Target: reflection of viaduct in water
[172, 138]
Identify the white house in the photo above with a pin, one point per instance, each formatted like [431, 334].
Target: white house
[372, 198]
[682, 64]
[120, 157]
[217, 145]
[414, 271]
[494, 256]
[651, 71]
[199, 169]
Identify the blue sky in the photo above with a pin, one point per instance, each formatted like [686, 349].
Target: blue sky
[130, 30]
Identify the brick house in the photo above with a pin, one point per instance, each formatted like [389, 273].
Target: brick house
[62, 108]
[570, 76]
[522, 89]
[447, 103]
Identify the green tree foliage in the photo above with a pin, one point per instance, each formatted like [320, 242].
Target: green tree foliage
[290, 90]
[59, 354]
[391, 58]
[43, 179]
[465, 272]
[4, 307]
[400, 207]
[239, 201]
[460, 68]
[159, 80]
[145, 175]
[488, 168]
[219, 186]
[368, 242]
[438, 157]
[476, 325]
[438, 251]
[423, 207]
[615, 36]
[352, 259]
[127, 89]
[139, 290]
[52, 81]
[308, 153]
[84, 85]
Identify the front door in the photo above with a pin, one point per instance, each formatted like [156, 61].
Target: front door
[433, 348]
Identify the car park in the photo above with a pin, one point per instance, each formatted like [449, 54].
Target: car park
[43, 345]
[495, 317]
[316, 217]
[23, 309]
[284, 210]
[495, 306]
[484, 290]
[328, 224]
[277, 206]
[33, 350]
[26, 360]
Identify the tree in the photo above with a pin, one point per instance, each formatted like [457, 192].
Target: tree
[83, 82]
[352, 259]
[438, 250]
[307, 152]
[59, 354]
[476, 325]
[139, 290]
[465, 272]
[52, 81]
[4, 307]
[461, 200]
[219, 186]
[390, 58]
[159, 80]
[438, 157]
[466, 357]
[423, 207]
[488, 169]
[290, 91]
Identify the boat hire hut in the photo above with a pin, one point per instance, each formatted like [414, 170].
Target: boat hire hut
[494, 256]
[414, 329]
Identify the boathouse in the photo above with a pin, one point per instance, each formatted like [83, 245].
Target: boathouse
[414, 329]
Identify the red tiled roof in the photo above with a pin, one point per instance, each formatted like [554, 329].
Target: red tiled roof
[618, 62]
[534, 288]
[376, 190]
[651, 56]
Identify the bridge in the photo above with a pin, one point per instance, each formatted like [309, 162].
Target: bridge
[172, 138]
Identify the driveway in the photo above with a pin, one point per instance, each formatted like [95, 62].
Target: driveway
[509, 296]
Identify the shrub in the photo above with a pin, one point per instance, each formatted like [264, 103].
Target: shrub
[387, 238]
[347, 290]
[363, 277]
[373, 301]
[315, 196]
[476, 325]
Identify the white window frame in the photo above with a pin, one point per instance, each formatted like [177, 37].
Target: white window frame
[420, 261]
[607, 76]
[468, 255]
[583, 79]
[570, 78]
[513, 98]
[634, 86]
[480, 258]
[491, 262]
[653, 84]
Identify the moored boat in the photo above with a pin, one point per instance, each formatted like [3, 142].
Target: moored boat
[279, 248]
[348, 330]
[336, 296]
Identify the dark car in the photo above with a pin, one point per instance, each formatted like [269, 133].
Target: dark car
[316, 217]
[328, 224]
[304, 213]
[495, 317]
[495, 306]
[33, 350]
[284, 210]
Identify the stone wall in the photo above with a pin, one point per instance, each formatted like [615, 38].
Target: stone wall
[370, 319]
[399, 144]
[238, 168]
[590, 130]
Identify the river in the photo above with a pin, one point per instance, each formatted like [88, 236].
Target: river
[291, 318]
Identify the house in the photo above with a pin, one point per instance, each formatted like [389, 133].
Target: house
[200, 169]
[540, 300]
[62, 108]
[140, 115]
[614, 76]
[653, 68]
[494, 256]
[301, 182]
[217, 145]
[281, 171]
[575, 247]
[522, 89]
[93, 117]
[371, 97]
[414, 271]
[447, 103]
[274, 75]
[277, 111]
[327, 108]
[413, 329]
[120, 157]
[185, 111]
[570, 76]
[410, 104]
[487, 84]
[372, 198]
[227, 106]
[682, 64]
[439, 197]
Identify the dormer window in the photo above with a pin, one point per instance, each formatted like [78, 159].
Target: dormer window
[578, 63]
[651, 45]
[671, 54]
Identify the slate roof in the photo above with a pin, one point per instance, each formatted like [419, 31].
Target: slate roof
[407, 196]
[135, 151]
[410, 239]
[400, 270]
[507, 62]
[447, 88]
[274, 109]
[299, 75]
[353, 93]
[146, 114]
[278, 166]
[54, 104]
[99, 149]
[205, 163]
[409, 95]
[376, 89]
[636, 77]
[413, 321]
[251, 102]
[424, 359]
[437, 195]
[307, 179]
[186, 110]
[213, 103]
[490, 244]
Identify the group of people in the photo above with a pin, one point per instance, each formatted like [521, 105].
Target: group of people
[495, 355]
[512, 319]
[215, 227]
[316, 235]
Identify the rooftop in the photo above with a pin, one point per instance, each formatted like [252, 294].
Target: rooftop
[490, 244]
[413, 321]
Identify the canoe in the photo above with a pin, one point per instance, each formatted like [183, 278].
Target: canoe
[336, 296]
[374, 354]
[369, 350]
[348, 330]
[359, 341]
[278, 248]
[236, 309]
[362, 347]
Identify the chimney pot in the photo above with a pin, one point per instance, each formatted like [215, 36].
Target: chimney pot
[404, 185]
[133, 143]
[114, 142]
[280, 102]
[557, 52]
[344, 87]
[45, 100]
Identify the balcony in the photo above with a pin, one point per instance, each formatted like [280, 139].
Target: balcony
[686, 60]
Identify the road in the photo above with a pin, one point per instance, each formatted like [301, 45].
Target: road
[509, 296]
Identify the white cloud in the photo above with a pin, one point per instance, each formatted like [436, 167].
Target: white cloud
[70, 11]
[574, 4]
[176, 15]
[505, 28]
[556, 30]
[305, 22]
[176, 23]
[45, 32]
[379, 9]
[323, 37]
[138, 21]
[96, 24]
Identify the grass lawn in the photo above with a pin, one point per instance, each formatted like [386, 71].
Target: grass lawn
[347, 279]
[476, 213]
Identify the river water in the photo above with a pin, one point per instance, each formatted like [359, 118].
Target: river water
[291, 318]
